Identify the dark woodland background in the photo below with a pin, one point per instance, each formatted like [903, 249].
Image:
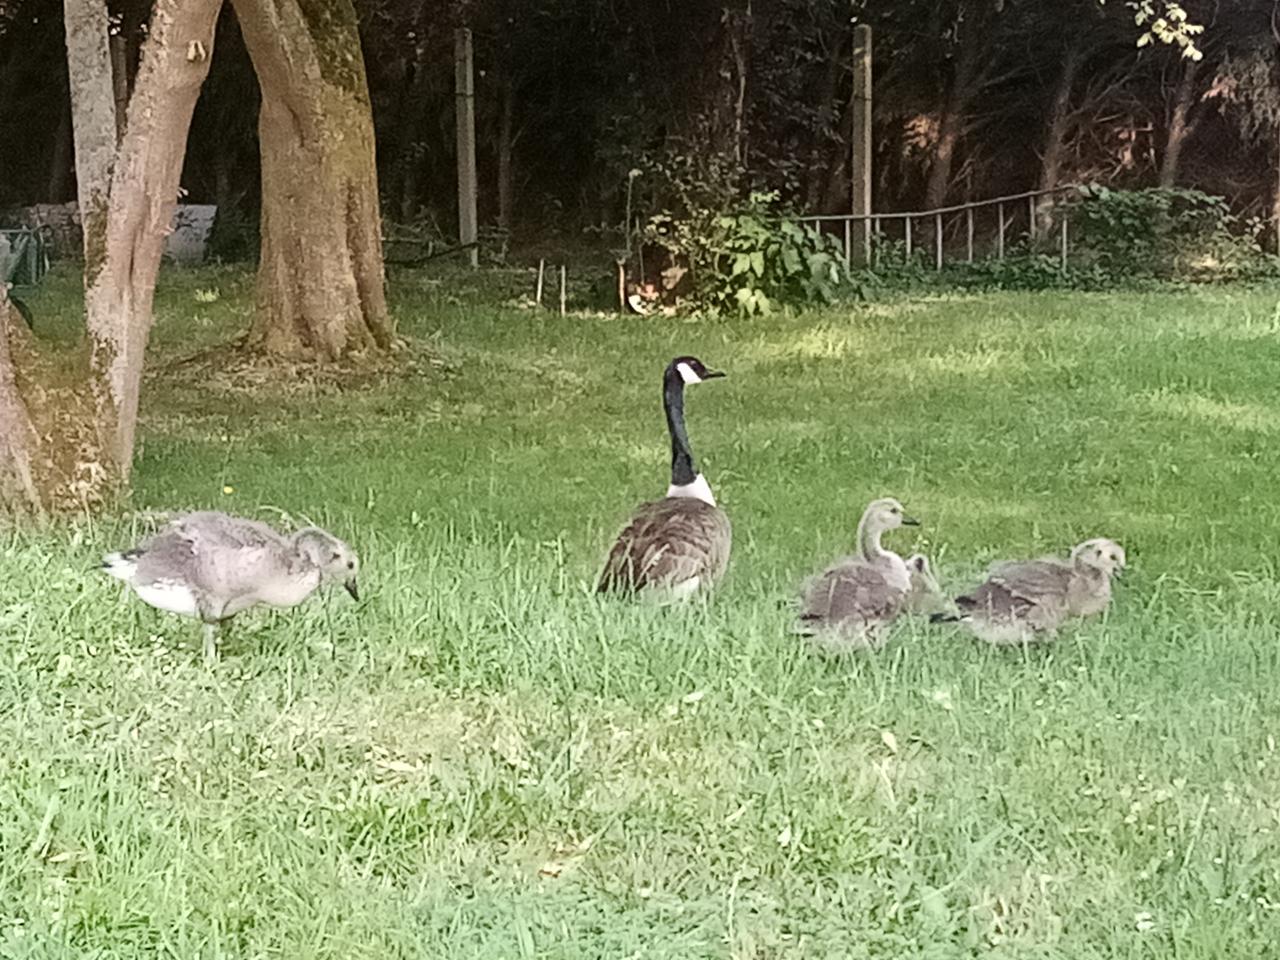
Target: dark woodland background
[972, 99]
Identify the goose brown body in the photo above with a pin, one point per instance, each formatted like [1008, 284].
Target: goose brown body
[676, 544]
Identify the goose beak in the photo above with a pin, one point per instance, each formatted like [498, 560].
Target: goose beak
[910, 522]
[712, 374]
[352, 589]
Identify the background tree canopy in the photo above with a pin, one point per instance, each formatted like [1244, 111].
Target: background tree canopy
[973, 98]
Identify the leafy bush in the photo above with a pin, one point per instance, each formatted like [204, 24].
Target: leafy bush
[753, 257]
[1163, 233]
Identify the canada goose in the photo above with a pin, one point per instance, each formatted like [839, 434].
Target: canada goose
[211, 566]
[1027, 601]
[680, 544]
[848, 605]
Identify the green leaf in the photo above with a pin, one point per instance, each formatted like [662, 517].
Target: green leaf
[757, 263]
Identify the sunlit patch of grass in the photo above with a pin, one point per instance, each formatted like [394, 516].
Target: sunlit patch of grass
[1216, 413]
[482, 759]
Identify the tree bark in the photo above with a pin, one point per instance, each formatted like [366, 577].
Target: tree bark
[1181, 124]
[506, 149]
[60, 163]
[68, 419]
[320, 280]
[1055, 140]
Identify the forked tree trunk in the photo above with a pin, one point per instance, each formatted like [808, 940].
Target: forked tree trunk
[320, 279]
[67, 419]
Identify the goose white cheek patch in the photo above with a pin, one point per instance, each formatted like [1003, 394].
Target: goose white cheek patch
[687, 374]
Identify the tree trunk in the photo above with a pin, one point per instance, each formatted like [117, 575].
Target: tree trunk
[60, 163]
[1055, 140]
[68, 418]
[120, 80]
[1181, 125]
[506, 149]
[944, 155]
[320, 279]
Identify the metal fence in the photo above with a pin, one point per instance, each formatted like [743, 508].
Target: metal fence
[1033, 216]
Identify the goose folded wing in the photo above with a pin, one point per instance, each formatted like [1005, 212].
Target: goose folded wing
[1033, 591]
[1034, 580]
[851, 592]
[666, 543]
[224, 560]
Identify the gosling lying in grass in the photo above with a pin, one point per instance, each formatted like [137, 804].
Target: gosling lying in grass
[1027, 601]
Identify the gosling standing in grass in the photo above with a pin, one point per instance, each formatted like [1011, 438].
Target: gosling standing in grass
[676, 546]
[849, 605]
[211, 566]
[1026, 602]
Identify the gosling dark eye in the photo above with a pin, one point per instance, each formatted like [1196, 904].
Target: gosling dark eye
[351, 564]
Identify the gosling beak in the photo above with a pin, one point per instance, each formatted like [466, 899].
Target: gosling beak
[712, 374]
[910, 522]
[352, 589]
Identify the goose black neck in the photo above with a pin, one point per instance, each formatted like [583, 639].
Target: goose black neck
[682, 468]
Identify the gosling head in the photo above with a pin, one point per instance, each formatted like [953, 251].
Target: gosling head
[690, 370]
[925, 594]
[333, 558]
[1101, 555]
[887, 514]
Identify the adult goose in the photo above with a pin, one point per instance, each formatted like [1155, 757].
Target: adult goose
[1027, 601]
[848, 606]
[674, 547]
[211, 566]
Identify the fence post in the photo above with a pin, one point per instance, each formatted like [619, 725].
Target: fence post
[937, 240]
[848, 245]
[876, 230]
[1064, 244]
[1031, 221]
[1000, 232]
[907, 235]
[969, 233]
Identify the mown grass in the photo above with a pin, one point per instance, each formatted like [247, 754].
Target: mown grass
[482, 760]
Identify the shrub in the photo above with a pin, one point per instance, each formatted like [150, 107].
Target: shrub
[752, 257]
[1163, 233]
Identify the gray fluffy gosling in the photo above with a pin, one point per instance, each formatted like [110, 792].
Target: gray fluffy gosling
[1027, 601]
[211, 566]
[677, 546]
[848, 606]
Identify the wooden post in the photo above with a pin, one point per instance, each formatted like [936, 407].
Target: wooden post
[907, 235]
[848, 244]
[563, 274]
[1031, 221]
[860, 145]
[465, 120]
[937, 241]
[876, 250]
[542, 269]
[1064, 244]
[1000, 231]
[968, 224]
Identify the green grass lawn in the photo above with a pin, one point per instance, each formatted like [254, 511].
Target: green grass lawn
[480, 759]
